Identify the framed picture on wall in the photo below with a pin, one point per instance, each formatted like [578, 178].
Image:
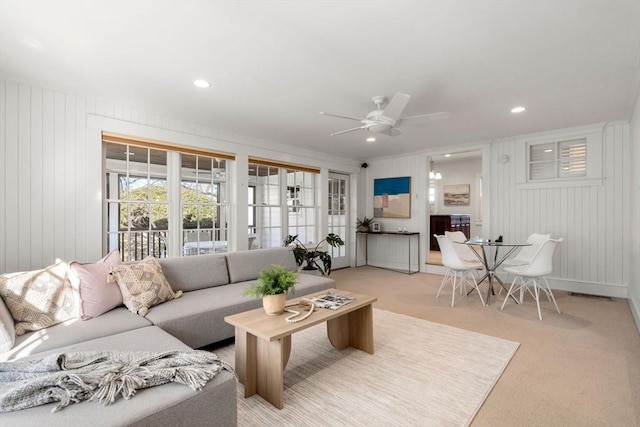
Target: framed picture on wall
[392, 197]
[375, 227]
[456, 194]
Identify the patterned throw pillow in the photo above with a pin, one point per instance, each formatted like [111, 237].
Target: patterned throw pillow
[97, 296]
[143, 285]
[39, 299]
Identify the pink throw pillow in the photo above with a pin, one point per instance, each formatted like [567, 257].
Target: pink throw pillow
[97, 295]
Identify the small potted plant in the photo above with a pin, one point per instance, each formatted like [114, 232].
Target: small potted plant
[364, 224]
[312, 257]
[272, 285]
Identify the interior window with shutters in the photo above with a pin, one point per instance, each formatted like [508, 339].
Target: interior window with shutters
[558, 160]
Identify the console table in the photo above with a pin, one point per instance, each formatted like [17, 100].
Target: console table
[408, 235]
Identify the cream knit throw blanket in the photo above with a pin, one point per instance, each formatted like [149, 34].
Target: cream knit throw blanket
[69, 378]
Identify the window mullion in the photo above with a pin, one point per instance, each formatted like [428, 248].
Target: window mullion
[175, 204]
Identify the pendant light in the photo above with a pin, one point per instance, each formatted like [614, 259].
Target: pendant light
[433, 174]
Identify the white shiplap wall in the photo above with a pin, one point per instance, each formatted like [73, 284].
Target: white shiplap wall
[592, 219]
[633, 247]
[50, 171]
[391, 251]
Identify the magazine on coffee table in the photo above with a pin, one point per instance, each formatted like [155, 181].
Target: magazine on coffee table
[331, 301]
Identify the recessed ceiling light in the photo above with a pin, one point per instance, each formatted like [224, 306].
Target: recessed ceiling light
[517, 109]
[371, 139]
[201, 83]
[447, 155]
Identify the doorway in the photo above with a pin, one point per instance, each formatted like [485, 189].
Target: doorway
[454, 181]
[338, 217]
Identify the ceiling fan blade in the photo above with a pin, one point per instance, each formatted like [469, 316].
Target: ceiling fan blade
[391, 132]
[396, 106]
[348, 130]
[322, 113]
[432, 116]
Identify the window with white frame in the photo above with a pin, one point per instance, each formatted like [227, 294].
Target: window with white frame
[560, 159]
[142, 211]
[205, 212]
[137, 208]
[570, 158]
[265, 206]
[282, 201]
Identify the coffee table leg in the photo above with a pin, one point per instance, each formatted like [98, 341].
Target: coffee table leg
[270, 362]
[354, 329]
[260, 366]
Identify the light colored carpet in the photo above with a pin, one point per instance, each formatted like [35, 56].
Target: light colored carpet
[422, 373]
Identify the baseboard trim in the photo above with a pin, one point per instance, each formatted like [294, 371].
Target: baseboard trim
[635, 312]
[602, 289]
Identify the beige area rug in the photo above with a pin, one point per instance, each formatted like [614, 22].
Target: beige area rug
[422, 374]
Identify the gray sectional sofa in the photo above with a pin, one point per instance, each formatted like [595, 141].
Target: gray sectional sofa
[211, 286]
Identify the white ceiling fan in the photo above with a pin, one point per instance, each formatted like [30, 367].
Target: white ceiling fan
[386, 121]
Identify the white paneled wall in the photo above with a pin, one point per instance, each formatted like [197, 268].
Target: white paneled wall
[42, 183]
[634, 215]
[591, 219]
[51, 173]
[392, 252]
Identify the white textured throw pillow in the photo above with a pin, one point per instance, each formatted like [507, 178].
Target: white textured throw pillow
[143, 285]
[39, 299]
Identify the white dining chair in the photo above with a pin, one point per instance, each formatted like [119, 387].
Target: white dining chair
[464, 252]
[526, 253]
[459, 272]
[534, 275]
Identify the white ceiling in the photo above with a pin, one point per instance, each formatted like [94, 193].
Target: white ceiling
[274, 66]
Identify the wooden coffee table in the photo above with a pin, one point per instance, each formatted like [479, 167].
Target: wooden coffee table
[263, 343]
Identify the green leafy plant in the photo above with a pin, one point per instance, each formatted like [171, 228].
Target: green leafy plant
[272, 280]
[364, 222]
[312, 257]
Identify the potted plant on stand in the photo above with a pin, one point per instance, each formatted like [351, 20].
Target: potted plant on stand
[364, 224]
[273, 284]
[314, 259]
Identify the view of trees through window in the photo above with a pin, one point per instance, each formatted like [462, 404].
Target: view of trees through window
[141, 212]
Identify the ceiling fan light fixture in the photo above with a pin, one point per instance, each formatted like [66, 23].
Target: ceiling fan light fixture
[371, 140]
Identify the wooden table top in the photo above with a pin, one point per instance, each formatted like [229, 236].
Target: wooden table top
[271, 328]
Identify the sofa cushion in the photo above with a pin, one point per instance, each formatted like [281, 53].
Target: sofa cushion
[74, 331]
[40, 298]
[7, 329]
[167, 405]
[245, 265]
[143, 285]
[97, 296]
[195, 272]
[197, 319]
